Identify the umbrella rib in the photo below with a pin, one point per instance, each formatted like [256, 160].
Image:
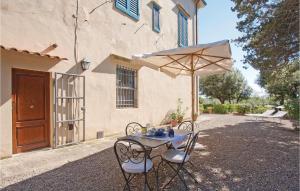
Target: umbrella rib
[187, 54]
[202, 50]
[209, 60]
[176, 68]
[210, 63]
[179, 62]
[222, 67]
[172, 61]
[213, 56]
[198, 58]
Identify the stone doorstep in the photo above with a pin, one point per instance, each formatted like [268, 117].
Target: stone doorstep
[39, 161]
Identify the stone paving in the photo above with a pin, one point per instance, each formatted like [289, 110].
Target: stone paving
[25, 165]
[241, 154]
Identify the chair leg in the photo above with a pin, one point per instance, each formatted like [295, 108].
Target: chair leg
[157, 176]
[126, 186]
[191, 164]
[146, 182]
[191, 175]
[170, 181]
[182, 179]
[177, 173]
[127, 180]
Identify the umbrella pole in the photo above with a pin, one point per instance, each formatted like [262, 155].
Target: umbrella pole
[193, 89]
[193, 95]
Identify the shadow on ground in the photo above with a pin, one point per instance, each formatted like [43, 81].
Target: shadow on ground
[246, 156]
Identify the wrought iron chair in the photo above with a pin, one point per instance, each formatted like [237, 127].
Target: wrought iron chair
[187, 126]
[133, 128]
[176, 160]
[133, 161]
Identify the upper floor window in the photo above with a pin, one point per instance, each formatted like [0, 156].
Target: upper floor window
[130, 7]
[155, 17]
[126, 87]
[182, 29]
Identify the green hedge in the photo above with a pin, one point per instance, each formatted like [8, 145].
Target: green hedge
[220, 109]
[258, 109]
[232, 108]
[243, 108]
[293, 107]
[205, 106]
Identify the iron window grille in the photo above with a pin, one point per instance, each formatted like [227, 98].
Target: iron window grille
[126, 87]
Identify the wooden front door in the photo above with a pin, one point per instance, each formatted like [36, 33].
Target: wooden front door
[31, 109]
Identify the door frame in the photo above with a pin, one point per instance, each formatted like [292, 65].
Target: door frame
[14, 110]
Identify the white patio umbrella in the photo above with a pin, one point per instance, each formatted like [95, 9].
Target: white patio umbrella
[201, 60]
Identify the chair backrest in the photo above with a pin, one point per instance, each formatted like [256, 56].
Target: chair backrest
[132, 128]
[129, 150]
[190, 145]
[186, 125]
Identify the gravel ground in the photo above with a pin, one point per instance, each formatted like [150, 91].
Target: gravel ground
[241, 154]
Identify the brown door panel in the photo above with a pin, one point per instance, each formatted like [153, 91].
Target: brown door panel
[30, 105]
[31, 109]
[29, 123]
[31, 135]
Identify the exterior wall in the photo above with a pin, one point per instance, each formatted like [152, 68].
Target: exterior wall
[102, 30]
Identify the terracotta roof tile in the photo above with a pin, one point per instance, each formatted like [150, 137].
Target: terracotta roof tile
[32, 53]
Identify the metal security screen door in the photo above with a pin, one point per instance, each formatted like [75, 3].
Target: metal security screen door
[69, 109]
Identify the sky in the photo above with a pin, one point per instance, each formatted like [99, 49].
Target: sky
[218, 22]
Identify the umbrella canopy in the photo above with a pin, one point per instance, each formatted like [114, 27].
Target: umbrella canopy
[201, 60]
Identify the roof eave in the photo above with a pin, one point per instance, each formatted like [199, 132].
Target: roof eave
[200, 3]
[31, 53]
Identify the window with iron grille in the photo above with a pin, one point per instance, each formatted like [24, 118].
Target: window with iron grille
[126, 87]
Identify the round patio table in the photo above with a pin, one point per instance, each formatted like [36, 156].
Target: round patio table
[154, 142]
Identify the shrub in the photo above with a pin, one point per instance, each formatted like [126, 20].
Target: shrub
[292, 106]
[230, 108]
[258, 109]
[243, 108]
[220, 108]
[205, 106]
[201, 108]
[173, 116]
[210, 109]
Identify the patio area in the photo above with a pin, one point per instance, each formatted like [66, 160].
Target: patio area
[240, 154]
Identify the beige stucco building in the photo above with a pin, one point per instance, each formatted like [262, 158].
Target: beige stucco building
[40, 38]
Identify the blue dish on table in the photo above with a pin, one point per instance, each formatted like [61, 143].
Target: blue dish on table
[157, 135]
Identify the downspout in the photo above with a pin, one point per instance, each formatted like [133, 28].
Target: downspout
[197, 77]
[196, 12]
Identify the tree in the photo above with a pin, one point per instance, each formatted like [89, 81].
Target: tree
[283, 84]
[230, 87]
[270, 32]
[271, 41]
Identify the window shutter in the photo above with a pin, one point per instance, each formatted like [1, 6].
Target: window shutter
[130, 7]
[156, 24]
[182, 30]
[134, 7]
[121, 4]
[185, 34]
